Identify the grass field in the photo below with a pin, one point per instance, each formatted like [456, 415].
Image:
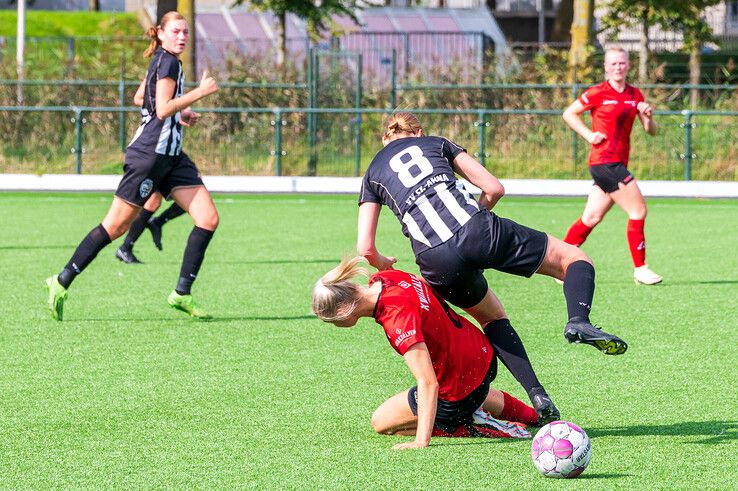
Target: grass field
[127, 393]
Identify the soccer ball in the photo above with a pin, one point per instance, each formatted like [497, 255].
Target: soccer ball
[561, 449]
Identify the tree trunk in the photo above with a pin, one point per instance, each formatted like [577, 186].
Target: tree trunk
[94, 5]
[643, 49]
[187, 9]
[695, 73]
[281, 38]
[581, 32]
[562, 23]
[164, 6]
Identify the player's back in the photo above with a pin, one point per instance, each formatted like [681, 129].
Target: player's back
[411, 312]
[414, 176]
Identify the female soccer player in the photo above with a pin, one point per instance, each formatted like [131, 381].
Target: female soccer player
[614, 105]
[154, 161]
[455, 238]
[451, 360]
[144, 220]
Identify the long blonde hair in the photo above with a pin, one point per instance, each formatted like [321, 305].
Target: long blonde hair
[335, 296]
[398, 123]
[153, 31]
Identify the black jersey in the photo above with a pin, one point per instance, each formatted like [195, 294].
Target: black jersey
[156, 135]
[414, 176]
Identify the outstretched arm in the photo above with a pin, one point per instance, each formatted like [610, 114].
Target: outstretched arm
[572, 116]
[474, 172]
[365, 242]
[419, 362]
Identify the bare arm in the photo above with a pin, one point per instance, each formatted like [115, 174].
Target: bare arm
[138, 98]
[645, 114]
[167, 106]
[572, 116]
[475, 173]
[365, 242]
[419, 362]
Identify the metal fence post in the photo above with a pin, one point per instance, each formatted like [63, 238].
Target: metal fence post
[482, 125]
[122, 114]
[687, 156]
[574, 135]
[78, 120]
[393, 80]
[357, 127]
[277, 123]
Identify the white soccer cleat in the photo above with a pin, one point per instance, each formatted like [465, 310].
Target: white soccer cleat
[486, 425]
[644, 276]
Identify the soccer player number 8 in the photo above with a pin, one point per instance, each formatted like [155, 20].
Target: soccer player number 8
[403, 166]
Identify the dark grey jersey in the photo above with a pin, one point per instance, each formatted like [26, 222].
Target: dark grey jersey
[415, 178]
[156, 135]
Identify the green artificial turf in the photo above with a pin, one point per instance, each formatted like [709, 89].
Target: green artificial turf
[128, 393]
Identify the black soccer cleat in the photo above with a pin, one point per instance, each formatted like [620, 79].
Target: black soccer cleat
[127, 256]
[545, 409]
[155, 230]
[586, 333]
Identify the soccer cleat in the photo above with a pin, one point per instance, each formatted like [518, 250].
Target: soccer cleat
[545, 409]
[57, 296]
[586, 333]
[127, 256]
[155, 230]
[644, 276]
[187, 304]
[487, 426]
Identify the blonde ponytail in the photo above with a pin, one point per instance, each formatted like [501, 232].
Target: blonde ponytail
[335, 296]
[399, 123]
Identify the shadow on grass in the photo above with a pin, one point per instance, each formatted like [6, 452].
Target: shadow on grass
[194, 321]
[716, 432]
[264, 261]
[262, 318]
[602, 475]
[35, 247]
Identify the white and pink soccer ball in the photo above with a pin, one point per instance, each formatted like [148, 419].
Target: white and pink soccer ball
[561, 449]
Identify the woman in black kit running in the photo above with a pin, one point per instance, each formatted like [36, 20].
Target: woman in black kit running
[154, 161]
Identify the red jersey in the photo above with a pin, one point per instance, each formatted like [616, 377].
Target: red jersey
[410, 313]
[613, 113]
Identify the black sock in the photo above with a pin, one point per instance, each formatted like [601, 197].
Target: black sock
[193, 256]
[170, 213]
[86, 251]
[579, 286]
[510, 350]
[137, 228]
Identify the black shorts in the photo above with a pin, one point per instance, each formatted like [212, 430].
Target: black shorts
[455, 269]
[609, 176]
[450, 414]
[145, 173]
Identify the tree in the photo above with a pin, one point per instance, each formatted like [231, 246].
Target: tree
[688, 18]
[581, 36]
[317, 14]
[629, 13]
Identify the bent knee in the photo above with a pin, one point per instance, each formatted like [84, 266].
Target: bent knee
[576, 255]
[638, 214]
[379, 425]
[592, 220]
[208, 221]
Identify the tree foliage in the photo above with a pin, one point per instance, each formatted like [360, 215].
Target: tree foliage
[317, 14]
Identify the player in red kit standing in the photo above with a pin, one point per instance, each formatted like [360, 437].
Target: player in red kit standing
[614, 105]
[452, 361]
